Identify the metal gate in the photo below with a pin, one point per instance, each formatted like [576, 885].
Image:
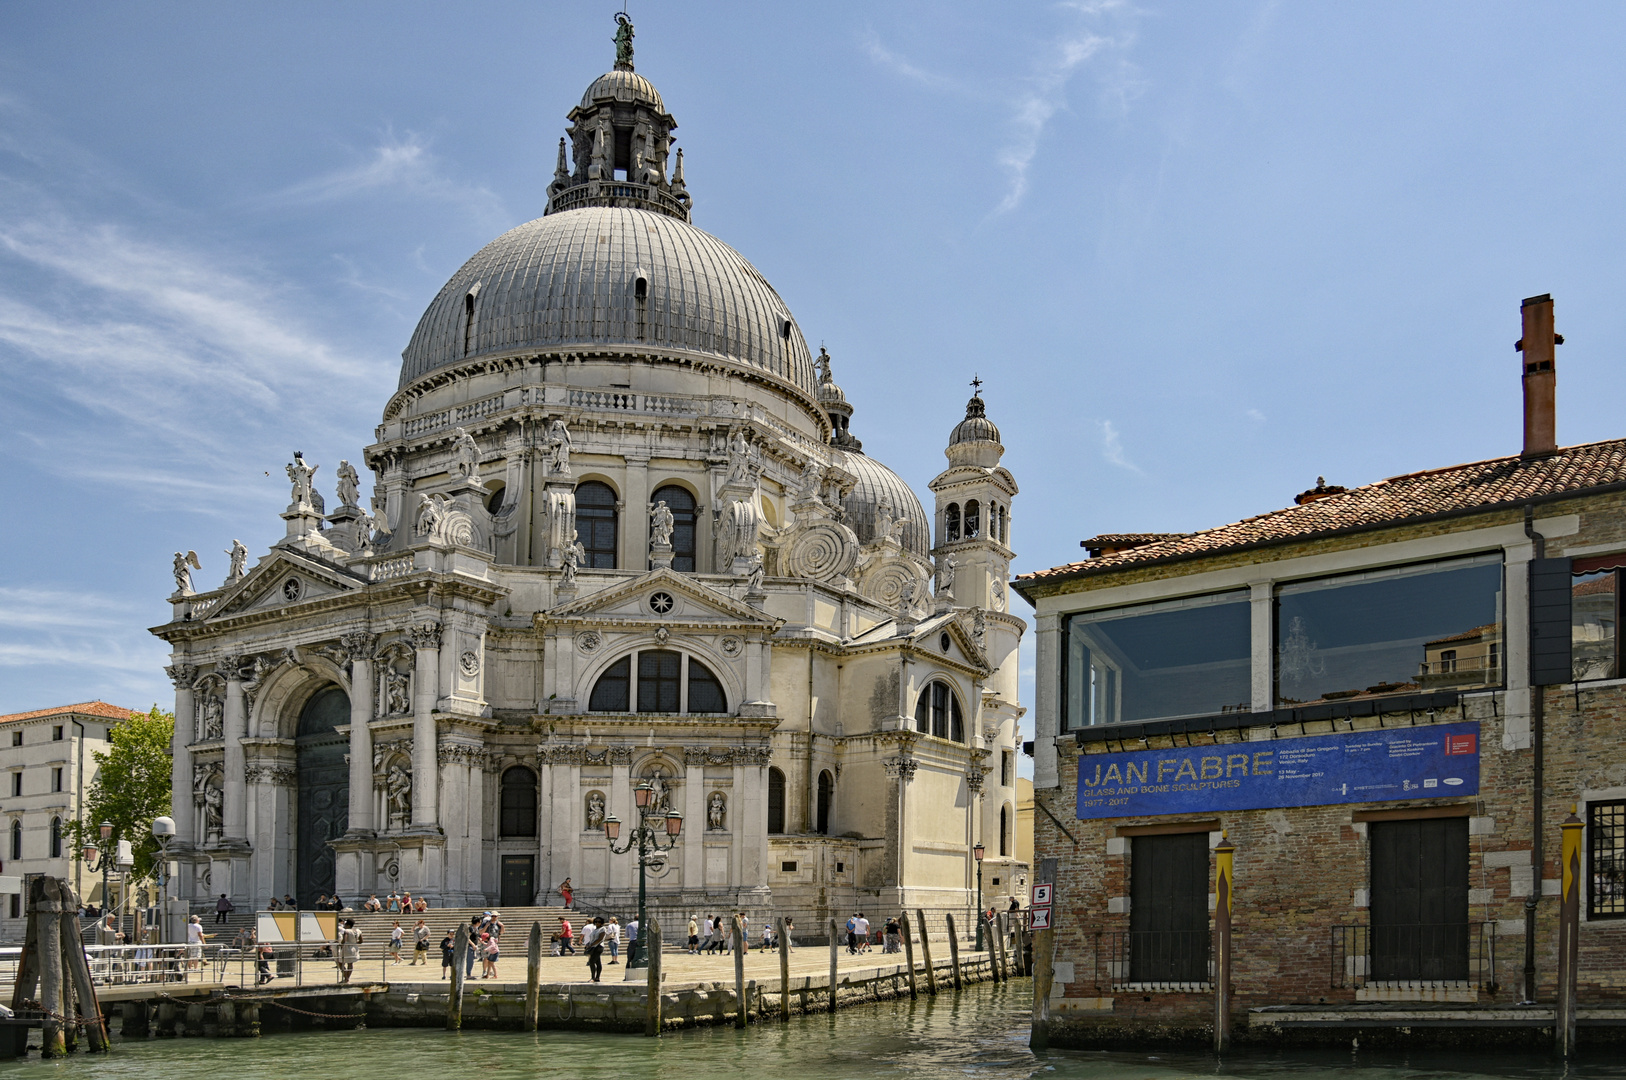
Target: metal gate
[324, 791]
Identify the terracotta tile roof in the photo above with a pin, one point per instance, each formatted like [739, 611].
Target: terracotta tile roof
[86, 708]
[1461, 489]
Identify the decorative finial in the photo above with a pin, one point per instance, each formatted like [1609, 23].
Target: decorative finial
[623, 42]
[976, 386]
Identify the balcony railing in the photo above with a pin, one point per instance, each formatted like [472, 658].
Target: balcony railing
[1422, 955]
[1181, 960]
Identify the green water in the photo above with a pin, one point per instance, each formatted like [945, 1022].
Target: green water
[981, 1035]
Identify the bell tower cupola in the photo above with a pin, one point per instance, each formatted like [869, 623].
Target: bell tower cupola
[620, 143]
[973, 523]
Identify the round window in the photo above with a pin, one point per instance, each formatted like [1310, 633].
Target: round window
[292, 588]
[661, 603]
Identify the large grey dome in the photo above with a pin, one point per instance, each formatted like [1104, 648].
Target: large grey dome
[571, 280]
[875, 482]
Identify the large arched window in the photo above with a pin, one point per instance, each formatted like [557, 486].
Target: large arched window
[951, 523]
[973, 524]
[56, 838]
[659, 681]
[937, 712]
[827, 791]
[776, 800]
[16, 838]
[596, 523]
[681, 503]
[518, 802]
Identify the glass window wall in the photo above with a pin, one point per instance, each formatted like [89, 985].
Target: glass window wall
[1594, 647]
[1187, 657]
[1403, 630]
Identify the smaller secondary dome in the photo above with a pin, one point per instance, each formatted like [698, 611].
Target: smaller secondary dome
[976, 427]
[877, 483]
[624, 86]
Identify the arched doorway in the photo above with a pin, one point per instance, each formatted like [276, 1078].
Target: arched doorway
[827, 790]
[324, 791]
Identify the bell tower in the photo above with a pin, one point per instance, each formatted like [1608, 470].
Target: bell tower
[973, 523]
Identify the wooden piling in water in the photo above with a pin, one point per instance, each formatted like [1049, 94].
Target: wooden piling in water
[652, 1000]
[45, 915]
[1001, 961]
[78, 971]
[954, 951]
[784, 968]
[835, 944]
[739, 973]
[533, 976]
[926, 952]
[909, 952]
[454, 1000]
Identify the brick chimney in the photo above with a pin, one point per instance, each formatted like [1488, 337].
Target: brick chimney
[1540, 380]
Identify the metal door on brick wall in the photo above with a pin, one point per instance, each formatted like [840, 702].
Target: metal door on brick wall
[518, 880]
[1168, 908]
[1419, 899]
[324, 791]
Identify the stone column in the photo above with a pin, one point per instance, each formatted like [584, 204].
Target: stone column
[622, 869]
[234, 813]
[360, 647]
[692, 851]
[425, 692]
[1262, 628]
[1047, 701]
[180, 769]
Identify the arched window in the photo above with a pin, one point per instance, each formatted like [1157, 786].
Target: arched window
[681, 503]
[660, 685]
[951, 523]
[56, 838]
[937, 712]
[596, 523]
[16, 838]
[973, 513]
[776, 800]
[495, 499]
[518, 802]
[1005, 830]
[996, 522]
[827, 791]
[705, 692]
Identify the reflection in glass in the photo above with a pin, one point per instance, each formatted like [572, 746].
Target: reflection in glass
[1405, 630]
[1187, 657]
[1592, 625]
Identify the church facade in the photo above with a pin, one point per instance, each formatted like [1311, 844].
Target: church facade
[620, 533]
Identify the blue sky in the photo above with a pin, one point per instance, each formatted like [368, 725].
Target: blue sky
[1201, 253]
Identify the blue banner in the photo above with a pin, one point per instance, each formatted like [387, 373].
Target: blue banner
[1434, 761]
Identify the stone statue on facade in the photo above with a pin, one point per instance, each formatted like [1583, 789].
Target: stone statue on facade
[716, 812]
[214, 804]
[431, 514]
[660, 792]
[183, 576]
[945, 579]
[573, 556]
[739, 459]
[396, 699]
[467, 455]
[807, 487]
[885, 523]
[239, 561]
[349, 485]
[822, 363]
[211, 719]
[595, 810]
[301, 473]
[753, 583]
[623, 42]
[398, 796]
[661, 523]
[558, 441]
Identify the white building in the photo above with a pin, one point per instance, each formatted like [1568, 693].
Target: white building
[619, 531]
[47, 766]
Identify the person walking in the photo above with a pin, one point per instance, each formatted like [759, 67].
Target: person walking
[566, 891]
[852, 933]
[612, 935]
[593, 946]
[448, 953]
[262, 963]
[694, 935]
[633, 927]
[474, 946]
[195, 940]
[420, 944]
[490, 952]
[223, 907]
[767, 936]
[719, 935]
[790, 926]
[349, 949]
[892, 936]
[861, 932]
[396, 934]
[566, 938]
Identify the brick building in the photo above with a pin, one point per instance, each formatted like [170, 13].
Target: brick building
[1378, 694]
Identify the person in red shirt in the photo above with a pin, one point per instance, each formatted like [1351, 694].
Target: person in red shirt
[566, 943]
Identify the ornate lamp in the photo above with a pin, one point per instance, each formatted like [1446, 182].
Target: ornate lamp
[612, 828]
[642, 793]
[977, 853]
[674, 823]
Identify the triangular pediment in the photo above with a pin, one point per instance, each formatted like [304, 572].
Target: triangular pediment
[282, 579]
[639, 599]
[962, 649]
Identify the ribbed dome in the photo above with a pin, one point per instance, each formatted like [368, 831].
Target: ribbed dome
[627, 86]
[569, 280]
[875, 481]
[976, 427]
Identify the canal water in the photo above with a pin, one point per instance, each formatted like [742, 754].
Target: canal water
[979, 1035]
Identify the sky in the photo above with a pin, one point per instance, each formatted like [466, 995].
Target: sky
[1200, 253]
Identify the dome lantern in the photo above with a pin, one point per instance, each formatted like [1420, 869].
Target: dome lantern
[975, 440]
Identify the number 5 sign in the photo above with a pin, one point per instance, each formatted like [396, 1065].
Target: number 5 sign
[1041, 896]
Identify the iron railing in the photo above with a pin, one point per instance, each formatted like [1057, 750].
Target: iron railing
[1180, 960]
[1418, 955]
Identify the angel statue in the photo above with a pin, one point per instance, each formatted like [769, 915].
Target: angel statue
[301, 473]
[239, 561]
[349, 485]
[183, 576]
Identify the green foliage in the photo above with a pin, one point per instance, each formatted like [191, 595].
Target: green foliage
[130, 790]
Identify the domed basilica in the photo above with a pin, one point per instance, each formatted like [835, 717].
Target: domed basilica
[621, 537]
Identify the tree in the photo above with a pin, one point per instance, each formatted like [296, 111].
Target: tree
[131, 788]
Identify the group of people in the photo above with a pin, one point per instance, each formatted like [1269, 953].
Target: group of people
[401, 902]
[711, 933]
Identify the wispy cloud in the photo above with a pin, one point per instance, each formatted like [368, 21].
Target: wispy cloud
[1112, 447]
[899, 66]
[1101, 37]
[1256, 416]
[402, 164]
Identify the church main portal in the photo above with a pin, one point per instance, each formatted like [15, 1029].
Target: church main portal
[324, 790]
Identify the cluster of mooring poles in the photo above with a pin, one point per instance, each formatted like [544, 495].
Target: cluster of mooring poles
[54, 990]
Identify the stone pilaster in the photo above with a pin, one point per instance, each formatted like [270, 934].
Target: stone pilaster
[234, 810]
[359, 645]
[426, 692]
[180, 770]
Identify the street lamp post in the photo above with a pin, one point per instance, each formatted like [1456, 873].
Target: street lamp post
[977, 853]
[92, 853]
[651, 852]
[163, 831]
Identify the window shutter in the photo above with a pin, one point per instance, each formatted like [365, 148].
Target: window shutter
[1550, 584]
